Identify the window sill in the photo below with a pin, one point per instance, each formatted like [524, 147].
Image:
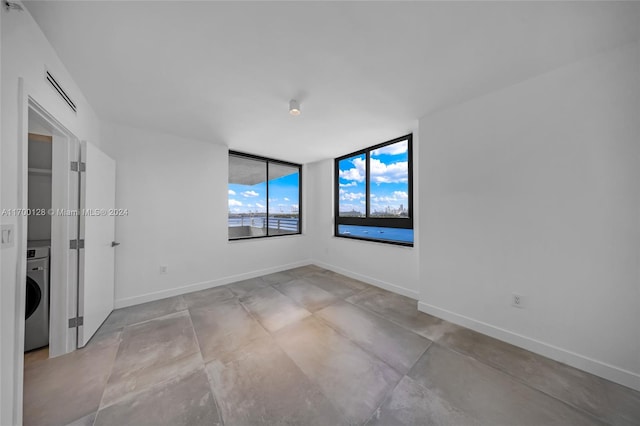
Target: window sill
[372, 241]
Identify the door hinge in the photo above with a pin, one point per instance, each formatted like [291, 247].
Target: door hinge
[76, 322]
[76, 166]
[76, 244]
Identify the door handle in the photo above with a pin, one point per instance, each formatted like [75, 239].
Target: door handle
[114, 244]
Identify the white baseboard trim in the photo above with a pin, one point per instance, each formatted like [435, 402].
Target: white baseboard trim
[163, 294]
[369, 280]
[599, 368]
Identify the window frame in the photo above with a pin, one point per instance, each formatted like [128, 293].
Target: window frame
[403, 223]
[268, 160]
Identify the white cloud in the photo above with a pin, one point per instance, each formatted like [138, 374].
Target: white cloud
[232, 192]
[286, 199]
[380, 172]
[357, 173]
[234, 203]
[397, 196]
[350, 196]
[395, 149]
[260, 206]
[250, 194]
[389, 173]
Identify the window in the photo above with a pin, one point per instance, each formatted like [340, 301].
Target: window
[374, 194]
[264, 197]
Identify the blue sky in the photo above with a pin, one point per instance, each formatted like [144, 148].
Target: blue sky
[283, 196]
[389, 179]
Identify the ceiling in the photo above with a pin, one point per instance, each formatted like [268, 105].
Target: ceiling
[364, 72]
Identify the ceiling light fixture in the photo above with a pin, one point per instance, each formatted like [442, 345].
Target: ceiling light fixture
[294, 107]
[9, 6]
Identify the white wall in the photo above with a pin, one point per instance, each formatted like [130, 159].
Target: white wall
[534, 190]
[39, 190]
[25, 53]
[391, 267]
[176, 192]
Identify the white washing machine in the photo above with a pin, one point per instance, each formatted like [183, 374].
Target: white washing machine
[36, 330]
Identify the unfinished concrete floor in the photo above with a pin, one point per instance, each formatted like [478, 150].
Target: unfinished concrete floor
[308, 347]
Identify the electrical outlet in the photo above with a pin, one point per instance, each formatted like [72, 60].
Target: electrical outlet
[517, 301]
[164, 269]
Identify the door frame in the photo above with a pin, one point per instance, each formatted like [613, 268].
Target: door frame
[60, 335]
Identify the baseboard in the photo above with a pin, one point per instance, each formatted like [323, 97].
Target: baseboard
[369, 280]
[601, 369]
[163, 294]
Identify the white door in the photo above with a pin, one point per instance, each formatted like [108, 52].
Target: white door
[97, 228]
[64, 261]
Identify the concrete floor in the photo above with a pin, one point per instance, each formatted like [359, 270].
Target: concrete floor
[308, 347]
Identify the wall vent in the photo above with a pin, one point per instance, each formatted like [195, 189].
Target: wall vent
[61, 91]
